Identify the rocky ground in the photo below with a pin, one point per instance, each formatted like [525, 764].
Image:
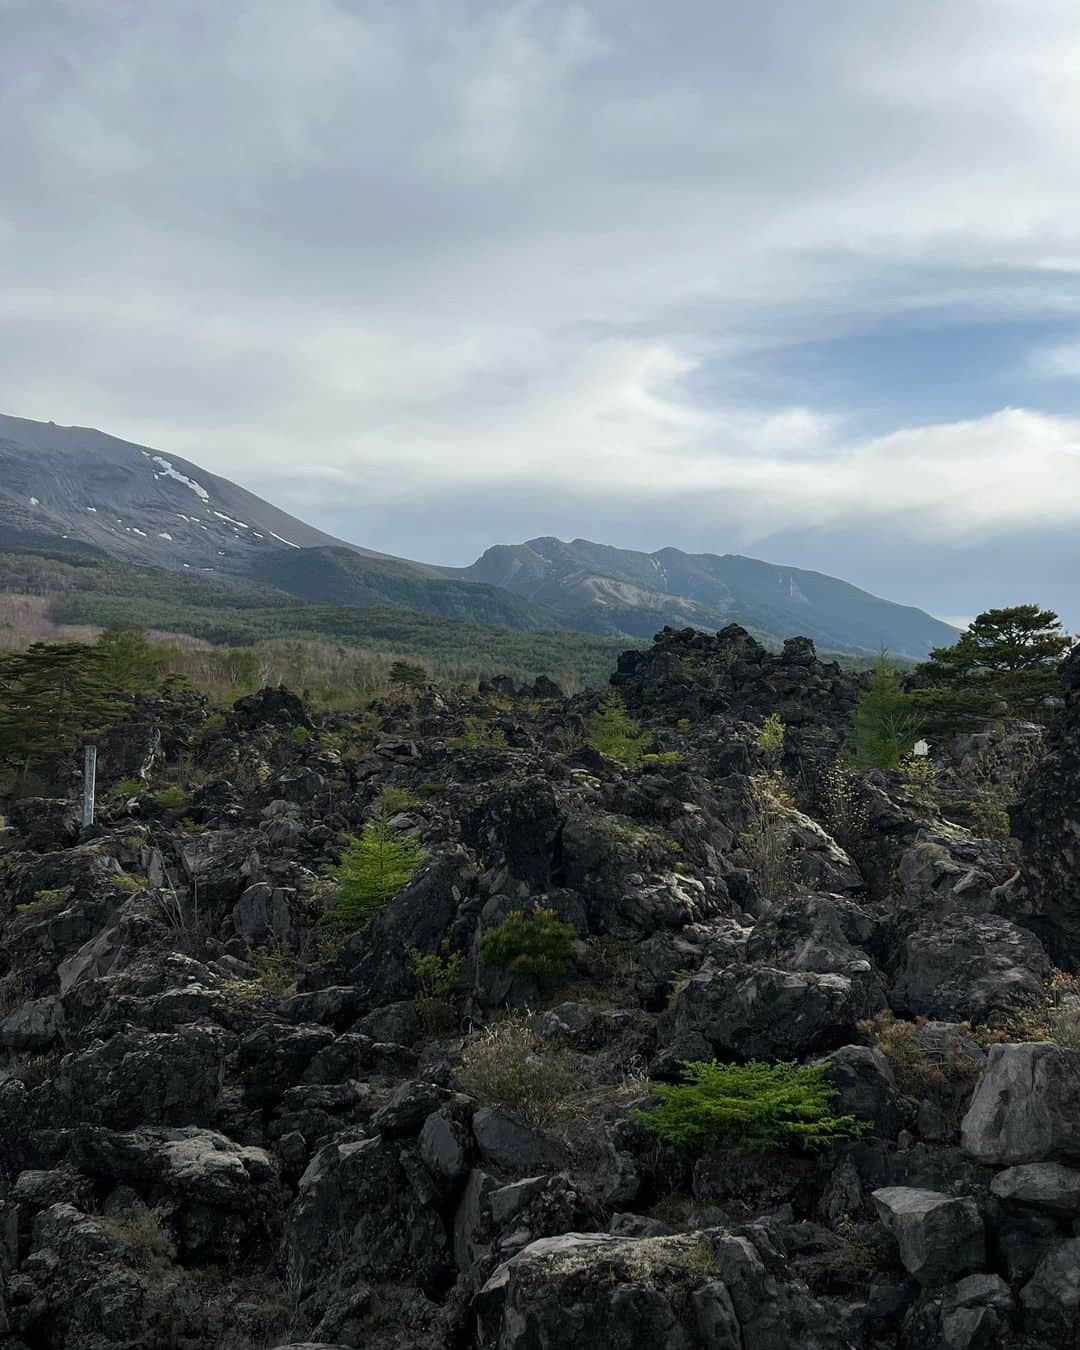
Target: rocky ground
[222, 1126]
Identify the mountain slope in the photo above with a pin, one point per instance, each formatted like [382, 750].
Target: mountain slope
[134, 502]
[138, 505]
[339, 576]
[609, 590]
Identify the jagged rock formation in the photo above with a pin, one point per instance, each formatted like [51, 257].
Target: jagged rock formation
[1047, 822]
[220, 1128]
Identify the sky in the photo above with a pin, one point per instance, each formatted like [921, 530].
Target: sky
[798, 279]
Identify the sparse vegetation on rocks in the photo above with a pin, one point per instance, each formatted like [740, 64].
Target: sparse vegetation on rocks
[485, 1016]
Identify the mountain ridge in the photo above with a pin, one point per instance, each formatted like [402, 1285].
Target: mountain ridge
[141, 505]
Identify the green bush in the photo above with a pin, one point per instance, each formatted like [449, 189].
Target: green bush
[772, 734]
[172, 798]
[751, 1107]
[533, 946]
[392, 801]
[477, 735]
[372, 870]
[300, 735]
[408, 674]
[437, 974]
[613, 732]
[129, 787]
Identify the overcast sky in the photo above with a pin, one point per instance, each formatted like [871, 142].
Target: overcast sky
[799, 280]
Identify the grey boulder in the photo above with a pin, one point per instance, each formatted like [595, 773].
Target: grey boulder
[763, 1012]
[508, 1142]
[1026, 1107]
[966, 967]
[939, 1236]
[1049, 1186]
[1051, 1298]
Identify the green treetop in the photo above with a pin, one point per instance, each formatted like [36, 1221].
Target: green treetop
[372, 870]
[1009, 656]
[51, 695]
[884, 724]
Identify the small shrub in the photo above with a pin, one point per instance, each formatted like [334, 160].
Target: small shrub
[372, 870]
[614, 733]
[752, 1107]
[129, 787]
[171, 798]
[437, 973]
[533, 946]
[479, 735]
[919, 775]
[504, 1065]
[143, 1230]
[392, 801]
[15, 990]
[987, 783]
[884, 722]
[772, 734]
[766, 840]
[46, 902]
[1055, 1017]
[942, 1067]
[408, 675]
[673, 1210]
[300, 735]
[857, 1260]
[679, 980]
[276, 966]
[842, 803]
[611, 962]
[189, 927]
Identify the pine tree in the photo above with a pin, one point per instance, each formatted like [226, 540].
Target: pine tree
[1006, 656]
[372, 870]
[884, 723]
[52, 695]
[753, 1107]
[536, 947]
[614, 733]
[129, 661]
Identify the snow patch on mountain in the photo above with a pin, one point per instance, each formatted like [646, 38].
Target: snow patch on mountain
[167, 471]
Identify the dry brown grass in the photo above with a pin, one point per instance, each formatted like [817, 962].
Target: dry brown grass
[766, 841]
[15, 989]
[143, 1231]
[559, 1090]
[1055, 1017]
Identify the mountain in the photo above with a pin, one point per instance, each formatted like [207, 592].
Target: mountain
[618, 591]
[340, 576]
[137, 505]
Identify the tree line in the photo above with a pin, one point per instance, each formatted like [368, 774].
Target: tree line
[52, 695]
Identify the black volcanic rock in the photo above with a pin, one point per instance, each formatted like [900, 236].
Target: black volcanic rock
[223, 1122]
[1047, 823]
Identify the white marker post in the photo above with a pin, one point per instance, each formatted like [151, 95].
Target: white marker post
[89, 785]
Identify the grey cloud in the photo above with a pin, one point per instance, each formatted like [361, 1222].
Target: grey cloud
[483, 254]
